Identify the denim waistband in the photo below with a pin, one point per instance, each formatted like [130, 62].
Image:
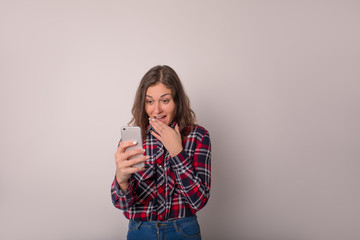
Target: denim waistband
[164, 224]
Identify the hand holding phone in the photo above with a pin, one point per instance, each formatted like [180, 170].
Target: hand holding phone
[129, 157]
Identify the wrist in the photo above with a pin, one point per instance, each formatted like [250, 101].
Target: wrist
[121, 180]
[176, 152]
[123, 185]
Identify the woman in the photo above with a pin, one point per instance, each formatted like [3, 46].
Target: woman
[161, 200]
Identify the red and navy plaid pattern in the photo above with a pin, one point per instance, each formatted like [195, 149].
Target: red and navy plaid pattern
[169, 188]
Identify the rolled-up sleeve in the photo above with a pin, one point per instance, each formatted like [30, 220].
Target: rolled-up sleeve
[122, 199]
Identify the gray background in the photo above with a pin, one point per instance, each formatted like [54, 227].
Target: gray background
[276, 83]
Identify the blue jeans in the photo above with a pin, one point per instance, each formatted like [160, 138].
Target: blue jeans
[180, 229]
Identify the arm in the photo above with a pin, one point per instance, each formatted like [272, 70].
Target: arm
[194, 175]
[122, 188]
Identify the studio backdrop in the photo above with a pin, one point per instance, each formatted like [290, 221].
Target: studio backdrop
[276, 83]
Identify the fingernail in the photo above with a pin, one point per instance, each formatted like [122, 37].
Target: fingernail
[143, 150]
[147, 157]
[134, 142]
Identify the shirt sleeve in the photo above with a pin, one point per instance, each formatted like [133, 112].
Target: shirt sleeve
[194, 174]
[122, 199]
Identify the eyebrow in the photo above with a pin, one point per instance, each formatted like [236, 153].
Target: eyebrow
[160, 96]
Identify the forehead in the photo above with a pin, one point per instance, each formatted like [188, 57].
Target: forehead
[157, 90]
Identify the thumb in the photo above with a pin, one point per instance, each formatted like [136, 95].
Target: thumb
[177, 129]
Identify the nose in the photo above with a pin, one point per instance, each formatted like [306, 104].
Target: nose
[158, 108]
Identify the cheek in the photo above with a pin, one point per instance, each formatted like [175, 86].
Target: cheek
[148, 110]
[172, 110]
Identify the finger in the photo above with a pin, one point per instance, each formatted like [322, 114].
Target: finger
[157, 124]
[156, 135]
[134, 170]
[156, 128]
[153, 123]
[123, 145]
[177, 129]
[161, 128]
[135, 161]
[131, 153]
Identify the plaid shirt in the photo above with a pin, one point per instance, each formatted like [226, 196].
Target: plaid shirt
[170, 187]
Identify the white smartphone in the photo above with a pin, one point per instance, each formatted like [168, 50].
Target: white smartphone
[133, 134]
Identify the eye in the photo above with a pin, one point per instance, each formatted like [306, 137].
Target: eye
[148, 101]
[166, 100]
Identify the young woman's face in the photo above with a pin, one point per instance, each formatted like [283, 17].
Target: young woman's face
[159, 103]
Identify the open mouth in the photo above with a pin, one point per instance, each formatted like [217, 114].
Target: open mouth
[161, 118]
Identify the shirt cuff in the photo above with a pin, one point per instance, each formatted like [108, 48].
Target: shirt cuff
[121, 193]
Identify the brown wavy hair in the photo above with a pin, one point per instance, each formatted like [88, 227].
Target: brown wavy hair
[184, 115]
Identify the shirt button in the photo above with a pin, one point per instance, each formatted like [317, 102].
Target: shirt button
[161, 216]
